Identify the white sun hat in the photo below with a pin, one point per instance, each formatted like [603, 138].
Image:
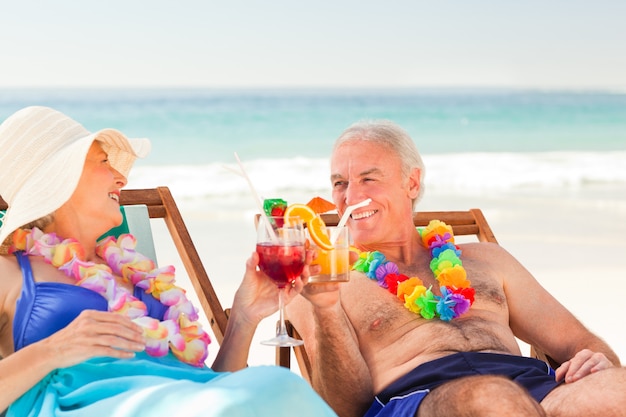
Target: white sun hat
[42, 154]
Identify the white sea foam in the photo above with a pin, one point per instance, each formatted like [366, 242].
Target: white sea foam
[508, 171]
[459, 173]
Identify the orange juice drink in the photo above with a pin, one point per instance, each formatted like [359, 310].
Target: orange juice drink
[335, 262]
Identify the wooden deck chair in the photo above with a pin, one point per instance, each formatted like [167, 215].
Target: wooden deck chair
[141, 205]
[464, 223]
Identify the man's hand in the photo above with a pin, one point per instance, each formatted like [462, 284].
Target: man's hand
[325, 294]
[582, 364]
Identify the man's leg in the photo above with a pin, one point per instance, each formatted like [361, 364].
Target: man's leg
[602, 394]
[481, 395]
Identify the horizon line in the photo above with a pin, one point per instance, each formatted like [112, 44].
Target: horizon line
[395, 88]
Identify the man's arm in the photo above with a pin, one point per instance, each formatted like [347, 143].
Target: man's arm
[538, 318]
[339, 372]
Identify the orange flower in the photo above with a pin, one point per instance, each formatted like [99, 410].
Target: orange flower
[406, 287]
[454, 277]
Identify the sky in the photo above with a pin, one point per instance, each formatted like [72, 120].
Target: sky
[556, 44]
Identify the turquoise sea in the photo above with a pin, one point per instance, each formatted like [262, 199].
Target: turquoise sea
[472, 140]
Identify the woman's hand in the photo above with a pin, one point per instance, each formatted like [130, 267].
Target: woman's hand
[255, 299]
[95, 333]
[582, 364]
[257, 296]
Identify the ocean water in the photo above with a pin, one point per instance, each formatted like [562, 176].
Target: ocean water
[472, 141]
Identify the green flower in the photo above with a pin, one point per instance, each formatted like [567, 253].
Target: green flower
[427, 304]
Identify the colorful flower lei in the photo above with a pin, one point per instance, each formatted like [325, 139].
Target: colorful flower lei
[179, 331]
[457, 295]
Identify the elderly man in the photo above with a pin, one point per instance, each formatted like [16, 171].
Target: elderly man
[375, 355]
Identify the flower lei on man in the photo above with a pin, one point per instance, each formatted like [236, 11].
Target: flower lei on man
[179, 331]
[457, 295]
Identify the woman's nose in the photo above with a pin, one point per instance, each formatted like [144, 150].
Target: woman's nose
[119, 178]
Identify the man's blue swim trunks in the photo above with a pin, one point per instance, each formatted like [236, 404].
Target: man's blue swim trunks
[403, 396]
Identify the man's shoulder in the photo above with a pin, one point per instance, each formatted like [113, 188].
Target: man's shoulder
[482, 251]
[479, 247]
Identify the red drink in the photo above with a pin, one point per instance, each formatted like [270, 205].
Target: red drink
[282, 263]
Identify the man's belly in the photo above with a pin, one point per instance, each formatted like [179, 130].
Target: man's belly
[393, 353]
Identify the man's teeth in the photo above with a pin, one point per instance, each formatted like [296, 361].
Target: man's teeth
[363, 214]
[114, 197]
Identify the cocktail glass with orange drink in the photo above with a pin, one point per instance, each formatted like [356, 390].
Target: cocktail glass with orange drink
[335, 262]
[332, 256]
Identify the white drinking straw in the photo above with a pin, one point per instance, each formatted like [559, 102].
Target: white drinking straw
[344, 219]
[266, 220]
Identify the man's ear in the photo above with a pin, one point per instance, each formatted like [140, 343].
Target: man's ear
[413, 183]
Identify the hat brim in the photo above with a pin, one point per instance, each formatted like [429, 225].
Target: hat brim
[58, 176]
[121, 150]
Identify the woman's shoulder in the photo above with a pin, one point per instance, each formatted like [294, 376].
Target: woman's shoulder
[10, 285]
[9, 270]
[10, 273]
[10, 282]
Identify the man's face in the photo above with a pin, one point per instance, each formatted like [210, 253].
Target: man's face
[361, 170]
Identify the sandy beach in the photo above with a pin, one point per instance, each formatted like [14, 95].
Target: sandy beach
[571, 240]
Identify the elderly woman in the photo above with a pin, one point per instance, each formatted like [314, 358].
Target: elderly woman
[93, 328]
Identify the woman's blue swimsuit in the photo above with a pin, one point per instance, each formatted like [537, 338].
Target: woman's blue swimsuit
[44, 308]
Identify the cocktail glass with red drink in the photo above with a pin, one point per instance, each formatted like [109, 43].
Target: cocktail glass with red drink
[281, 257]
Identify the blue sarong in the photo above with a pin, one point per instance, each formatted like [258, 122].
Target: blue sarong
[147, 386]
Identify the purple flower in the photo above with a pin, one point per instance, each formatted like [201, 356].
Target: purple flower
[440, 240]
[461, 306]
[383, 270]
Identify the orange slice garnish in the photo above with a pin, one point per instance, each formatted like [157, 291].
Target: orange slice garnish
[317, 231]
[303, 211]
[315, 224]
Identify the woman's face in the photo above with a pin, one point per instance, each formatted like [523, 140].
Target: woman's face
[96, 198]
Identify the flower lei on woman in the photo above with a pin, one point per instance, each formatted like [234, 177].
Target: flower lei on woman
[457, 295]
[179, 331]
